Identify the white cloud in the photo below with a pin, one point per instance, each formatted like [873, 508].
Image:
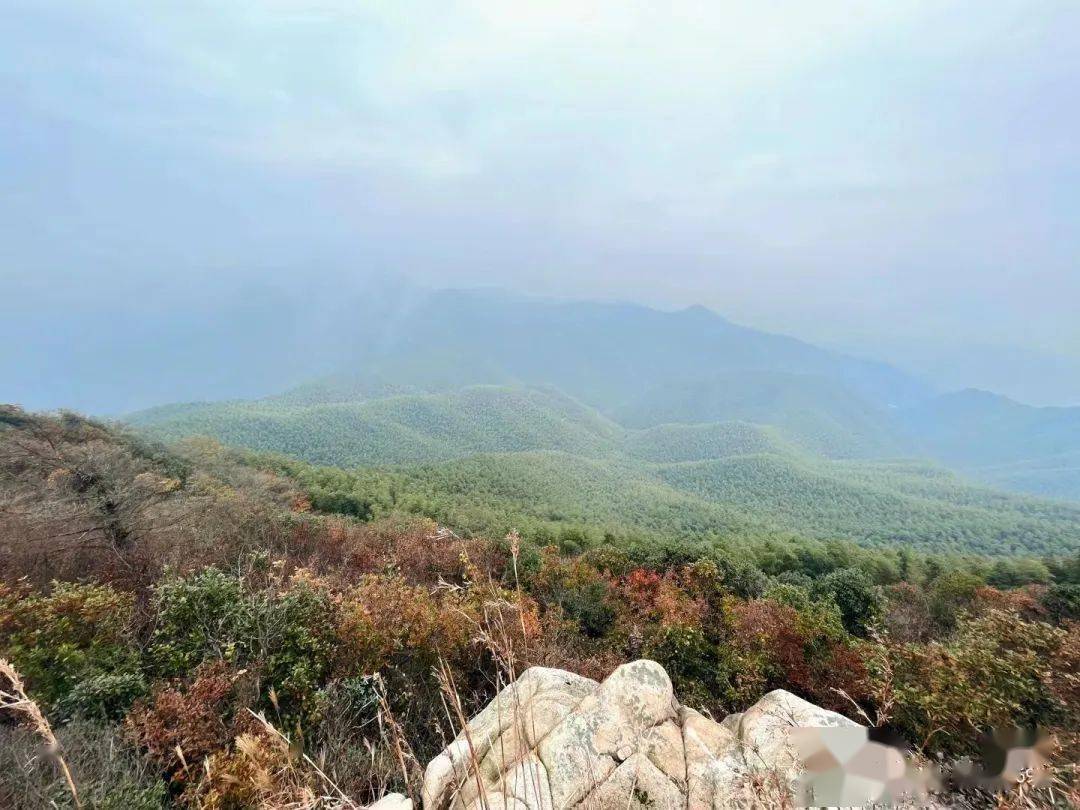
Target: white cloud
[869, 145]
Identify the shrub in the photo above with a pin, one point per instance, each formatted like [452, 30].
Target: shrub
[199, 618]
[183, 724]
[855, 594]
[587, 604]
[1062, 602]
[342, 503]
[662, 598]
[1024, 603]
[384, 622]
[766, 648]
[74, 637]
[950, 595]
[996, 671]
[742, 578]
[578, 589]
[1064, 678]
[777, 646]
[419, 550]
[353, 702]
[1012, 573]
[283, 631]
[819, 620]
[609, 560]
[295, 642]
[697, 670]
[906, 616]
[101, 697]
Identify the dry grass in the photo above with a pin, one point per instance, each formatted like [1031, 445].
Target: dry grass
[15, 699]
[110, 774]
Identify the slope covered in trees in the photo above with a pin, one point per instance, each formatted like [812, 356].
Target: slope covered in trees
[396, 429]
[636, 366]
[821, 415]
[696, 442]
[494, 457]
[736, 501]
[879, 505]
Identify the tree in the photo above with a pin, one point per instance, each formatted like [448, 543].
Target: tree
[905, 564]
[950, 594]
[856, 596]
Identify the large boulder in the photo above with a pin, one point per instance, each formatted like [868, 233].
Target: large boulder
[554, 740]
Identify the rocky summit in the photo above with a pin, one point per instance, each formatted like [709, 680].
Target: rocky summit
[553, 739]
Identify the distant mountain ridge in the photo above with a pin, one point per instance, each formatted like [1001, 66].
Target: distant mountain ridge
[599, 353]
[1002, 442]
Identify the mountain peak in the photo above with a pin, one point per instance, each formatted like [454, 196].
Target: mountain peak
[700, 311]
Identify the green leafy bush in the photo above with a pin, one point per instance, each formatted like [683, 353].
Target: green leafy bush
[283, 631]
[101, 697]
[994, 672]
[855, 595]
[69, 638]
[199, 618]
[698, 671]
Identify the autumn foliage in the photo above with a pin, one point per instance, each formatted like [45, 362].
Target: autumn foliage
[342, 634]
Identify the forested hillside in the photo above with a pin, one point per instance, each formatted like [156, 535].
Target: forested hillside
[396, 429]
[735, 502]
[489, 458]
[880, 505]
[820, 414]
[697, 442]
[442, 365]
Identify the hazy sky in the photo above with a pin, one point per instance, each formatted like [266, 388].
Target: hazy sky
[844, 170]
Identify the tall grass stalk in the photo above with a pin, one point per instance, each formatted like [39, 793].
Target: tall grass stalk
[15, 699]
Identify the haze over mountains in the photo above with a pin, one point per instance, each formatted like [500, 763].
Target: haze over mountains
[1032, 376]
[205, 207]
[684, 406]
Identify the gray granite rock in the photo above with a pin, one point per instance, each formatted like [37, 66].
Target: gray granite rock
[554, 740]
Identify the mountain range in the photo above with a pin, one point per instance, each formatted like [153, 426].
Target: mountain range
[590, 407]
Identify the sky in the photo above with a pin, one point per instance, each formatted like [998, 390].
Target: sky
[876, 176]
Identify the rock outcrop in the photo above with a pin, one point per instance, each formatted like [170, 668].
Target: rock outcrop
[554, 740]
